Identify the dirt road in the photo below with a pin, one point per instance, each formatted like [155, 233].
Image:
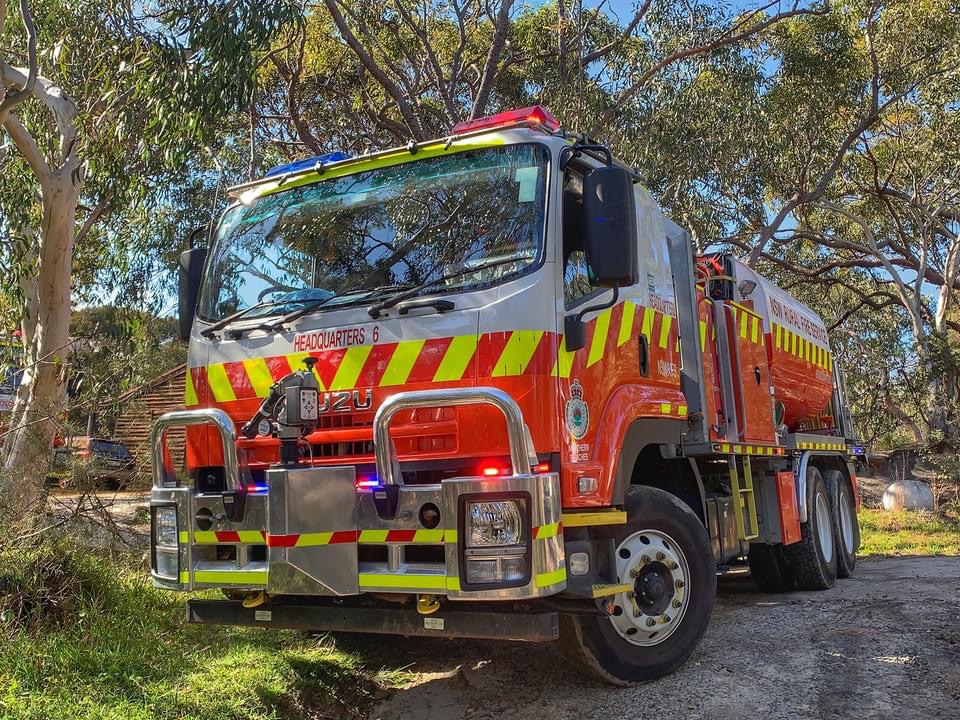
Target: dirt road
[883, 644]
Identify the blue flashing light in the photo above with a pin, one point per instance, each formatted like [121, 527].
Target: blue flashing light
[310, 163]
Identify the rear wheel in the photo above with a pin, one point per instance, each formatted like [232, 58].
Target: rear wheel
[813, 560]
[664, 551]
[846, 529]
[768, 568]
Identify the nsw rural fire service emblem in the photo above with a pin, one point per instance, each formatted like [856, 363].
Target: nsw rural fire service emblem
[577, 412]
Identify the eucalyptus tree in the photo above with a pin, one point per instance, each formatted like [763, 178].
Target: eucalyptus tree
[98, 100]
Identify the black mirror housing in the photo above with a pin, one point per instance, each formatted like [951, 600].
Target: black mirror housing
[191, 273]
[610, 227]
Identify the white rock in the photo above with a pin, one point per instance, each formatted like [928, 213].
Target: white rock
[908, 495]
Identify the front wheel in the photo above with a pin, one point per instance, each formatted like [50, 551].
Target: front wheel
[665, 553]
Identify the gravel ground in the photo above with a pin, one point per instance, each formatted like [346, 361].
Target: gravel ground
[882, 644]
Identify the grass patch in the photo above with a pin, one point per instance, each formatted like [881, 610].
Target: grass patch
[907, 533]
[119, 649]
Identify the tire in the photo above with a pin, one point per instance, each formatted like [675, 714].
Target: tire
[680, 568]
[845, 528]
[813, 560]
[769, 569]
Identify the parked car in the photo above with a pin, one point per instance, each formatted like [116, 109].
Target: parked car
[105, 460]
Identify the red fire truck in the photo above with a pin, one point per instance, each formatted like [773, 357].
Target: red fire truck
[481, 387]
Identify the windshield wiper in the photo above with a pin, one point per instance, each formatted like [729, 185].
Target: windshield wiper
[376, 310]
[229, 319]
[300, 312]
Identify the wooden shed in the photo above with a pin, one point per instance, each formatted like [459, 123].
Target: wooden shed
[142, 405]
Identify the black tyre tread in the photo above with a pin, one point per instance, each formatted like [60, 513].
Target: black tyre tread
[572, 628]
[768, 568]
[803, 557]
[846, 562]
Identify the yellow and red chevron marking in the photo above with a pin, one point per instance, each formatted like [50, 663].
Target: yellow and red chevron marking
[747, 323]
[498, 354]
[427, 537]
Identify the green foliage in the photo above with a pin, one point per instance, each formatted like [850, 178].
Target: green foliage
[122, 651]
[908, 533]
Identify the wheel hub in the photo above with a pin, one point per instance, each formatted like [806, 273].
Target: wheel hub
[660, 575]
[654, 588]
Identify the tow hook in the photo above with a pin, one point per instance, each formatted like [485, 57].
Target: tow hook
[427, 604]
[254, 600]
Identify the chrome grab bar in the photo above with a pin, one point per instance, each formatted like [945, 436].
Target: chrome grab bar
[522, 456]
[162, 473]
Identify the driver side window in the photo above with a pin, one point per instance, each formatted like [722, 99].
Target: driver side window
[576, 271]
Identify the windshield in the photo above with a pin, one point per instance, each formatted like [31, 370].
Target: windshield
[363, 236]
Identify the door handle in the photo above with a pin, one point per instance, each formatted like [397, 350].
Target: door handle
[644, 356]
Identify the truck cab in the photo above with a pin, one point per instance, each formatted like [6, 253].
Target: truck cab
[462, 371]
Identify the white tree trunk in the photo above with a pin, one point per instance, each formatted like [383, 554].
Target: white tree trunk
[46, 325]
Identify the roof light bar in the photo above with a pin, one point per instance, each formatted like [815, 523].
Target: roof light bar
[310, 163]
[535, 116]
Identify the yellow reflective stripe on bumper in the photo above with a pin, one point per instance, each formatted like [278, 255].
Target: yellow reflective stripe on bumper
[408, 582]
[551, 578]
[550, 530]
[600, 517]
[231, 577]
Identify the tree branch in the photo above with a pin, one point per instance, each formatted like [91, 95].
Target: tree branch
[12, 99]
[501, 26]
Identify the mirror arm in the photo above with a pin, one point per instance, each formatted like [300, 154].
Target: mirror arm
[574, 329]
[570, 152]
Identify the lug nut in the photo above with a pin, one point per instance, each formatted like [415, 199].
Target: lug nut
[674, 566]
[637, 613]
[676, 603]
[660, 556]
[631, 595]
[645, 559]
[679, 584]
[634, 572]
[664, 619]
[651, 622]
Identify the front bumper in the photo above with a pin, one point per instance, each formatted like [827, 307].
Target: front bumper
[312, 532]
[451, 622]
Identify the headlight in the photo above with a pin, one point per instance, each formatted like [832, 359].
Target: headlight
[165, 527]
[492, 524]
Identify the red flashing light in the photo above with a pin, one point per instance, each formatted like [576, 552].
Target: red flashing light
[256, 488]
[367, 482]
[535, 116]
[492, 471]
[543, 467]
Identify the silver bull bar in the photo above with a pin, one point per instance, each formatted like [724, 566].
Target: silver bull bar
[312, 531]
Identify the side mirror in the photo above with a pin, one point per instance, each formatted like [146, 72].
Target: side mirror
[610, 227]
[191, 273]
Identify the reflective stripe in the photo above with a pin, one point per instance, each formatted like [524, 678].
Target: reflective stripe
[665, 322]
[598, 517]
[406, 582]
[551, 578]
[189, 391]
[682, 410]
[544, 532]
[259, 374]
[703, 334]
[626, 322]
[516, 354]
[564, 363]
[599, 342]
[665, 408]
[295, 361]
[456, 359]
[401, 362]
[647, 330]
[755, 330]
[220, 384]
[231, 577]
[350, 366]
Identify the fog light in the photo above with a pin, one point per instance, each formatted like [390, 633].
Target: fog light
[483, 571]
[494, 523]
[168, 564]
[587, 485]
[579, 563]
[504, 569]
